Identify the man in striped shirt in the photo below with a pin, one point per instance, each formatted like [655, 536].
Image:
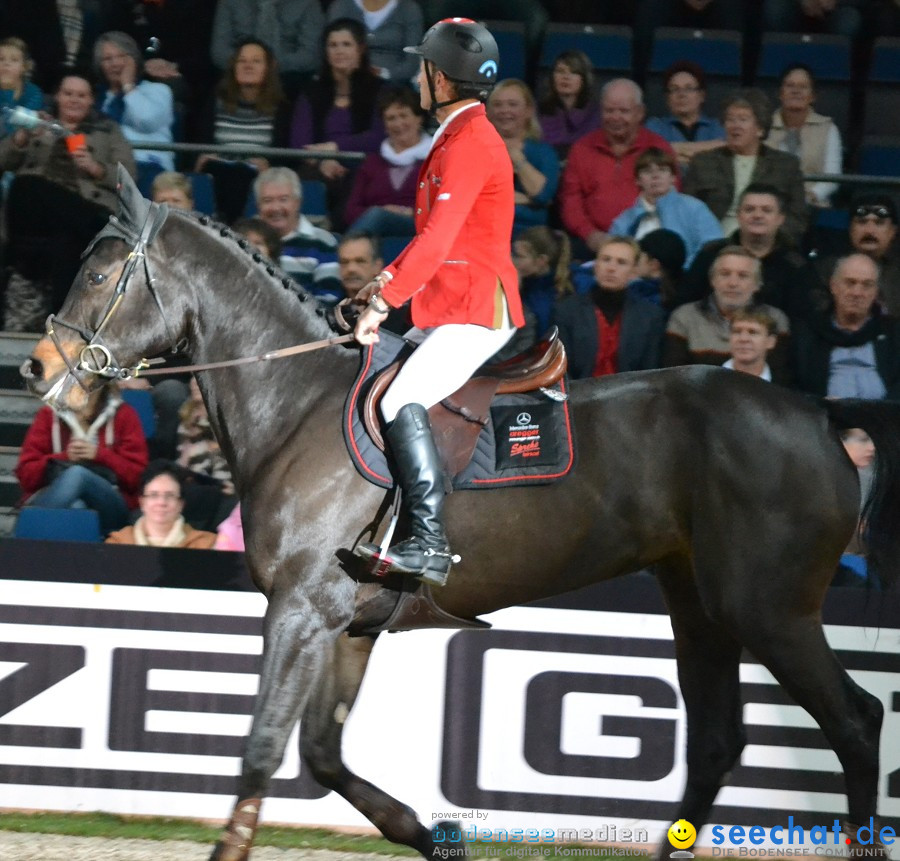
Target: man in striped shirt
[308, 253]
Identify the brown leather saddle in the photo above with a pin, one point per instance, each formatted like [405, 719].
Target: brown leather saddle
[457, 421]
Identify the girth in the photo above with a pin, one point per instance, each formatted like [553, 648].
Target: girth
[457, 421]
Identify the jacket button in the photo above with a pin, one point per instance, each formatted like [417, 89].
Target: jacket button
[421, 185]
[418, 212]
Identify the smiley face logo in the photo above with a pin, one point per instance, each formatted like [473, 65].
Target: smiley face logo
[682, 834]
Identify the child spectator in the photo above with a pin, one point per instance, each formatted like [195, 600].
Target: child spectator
[231, 532]
[542, 256]
[753, 335]
[15, 87]
[660, 267]
[173, 188]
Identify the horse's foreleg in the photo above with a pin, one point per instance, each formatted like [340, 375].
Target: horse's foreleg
[299, 643]
[320, 743]
[708, 673]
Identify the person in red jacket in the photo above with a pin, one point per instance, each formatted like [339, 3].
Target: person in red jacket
[459, 273]
[94, 458]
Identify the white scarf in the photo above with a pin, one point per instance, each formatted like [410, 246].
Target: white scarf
[406, 157]
[175, 537]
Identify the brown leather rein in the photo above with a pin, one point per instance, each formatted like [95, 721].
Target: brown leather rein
[143, 369]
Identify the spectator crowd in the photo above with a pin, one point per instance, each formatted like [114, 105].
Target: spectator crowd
[690, 236]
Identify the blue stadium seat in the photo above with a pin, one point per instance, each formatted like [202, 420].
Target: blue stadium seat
[881, 114]
[510, 36]
[880, 156]
[608, 48]
[142, 401]
[717, 52]
[204, 193]
[58, 524]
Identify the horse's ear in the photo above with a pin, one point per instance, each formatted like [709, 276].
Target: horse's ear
[133, 206]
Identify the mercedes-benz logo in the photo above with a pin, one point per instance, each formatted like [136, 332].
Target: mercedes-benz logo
[524, 418]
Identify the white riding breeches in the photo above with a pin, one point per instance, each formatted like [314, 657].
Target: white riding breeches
[446, 357]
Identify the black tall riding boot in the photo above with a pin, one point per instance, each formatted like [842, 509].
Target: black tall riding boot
[426, 553]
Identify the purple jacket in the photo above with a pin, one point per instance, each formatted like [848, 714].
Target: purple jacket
[372, 186]
[338, 127]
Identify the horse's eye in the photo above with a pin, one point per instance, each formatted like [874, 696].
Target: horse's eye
[95, 279]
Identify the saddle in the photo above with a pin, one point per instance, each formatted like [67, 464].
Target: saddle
[457, 421]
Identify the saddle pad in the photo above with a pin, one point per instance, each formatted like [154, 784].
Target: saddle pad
[528, 440]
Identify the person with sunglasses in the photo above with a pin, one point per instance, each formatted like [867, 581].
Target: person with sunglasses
[873, 232]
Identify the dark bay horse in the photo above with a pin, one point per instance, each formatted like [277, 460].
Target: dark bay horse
[737, 492]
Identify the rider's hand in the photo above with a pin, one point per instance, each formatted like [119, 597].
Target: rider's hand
[376, 285]
[366, 331]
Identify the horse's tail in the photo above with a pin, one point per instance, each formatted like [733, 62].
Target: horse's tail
[881, 514]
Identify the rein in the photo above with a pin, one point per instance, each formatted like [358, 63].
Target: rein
[141, 370]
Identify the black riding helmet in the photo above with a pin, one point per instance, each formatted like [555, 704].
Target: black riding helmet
[465, 52]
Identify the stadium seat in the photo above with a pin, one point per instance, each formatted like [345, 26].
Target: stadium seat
[608, 48]
[510, 36]
[881, 114]
[828, 57]
[142, 401]
[880, 156]
[717, 52]
[58, 524]
[204, 193]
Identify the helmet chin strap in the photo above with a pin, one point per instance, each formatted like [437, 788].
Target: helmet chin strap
[435, 104]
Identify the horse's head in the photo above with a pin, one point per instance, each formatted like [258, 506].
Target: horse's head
[113, 315]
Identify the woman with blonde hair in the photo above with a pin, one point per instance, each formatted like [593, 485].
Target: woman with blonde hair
[513, 111]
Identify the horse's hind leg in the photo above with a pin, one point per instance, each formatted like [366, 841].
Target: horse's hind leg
[320, 742]
[708, 672]
[792, 646]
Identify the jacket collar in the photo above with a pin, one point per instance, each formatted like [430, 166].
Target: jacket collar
[812, 119]
[456, 121]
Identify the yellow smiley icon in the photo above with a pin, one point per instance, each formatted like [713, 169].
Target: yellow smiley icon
[682, 834]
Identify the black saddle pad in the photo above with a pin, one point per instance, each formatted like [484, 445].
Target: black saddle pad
[528, 439]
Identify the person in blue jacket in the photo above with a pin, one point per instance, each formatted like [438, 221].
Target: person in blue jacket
[660, 204]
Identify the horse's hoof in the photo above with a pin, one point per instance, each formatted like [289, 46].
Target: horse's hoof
[447, 841]
[227, 851]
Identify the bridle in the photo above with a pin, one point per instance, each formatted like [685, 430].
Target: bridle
[95, 357]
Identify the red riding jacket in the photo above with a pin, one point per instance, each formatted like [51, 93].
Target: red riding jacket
[464, 217]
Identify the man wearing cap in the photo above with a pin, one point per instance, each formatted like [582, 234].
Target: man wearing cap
[458, 273]
[873, 231]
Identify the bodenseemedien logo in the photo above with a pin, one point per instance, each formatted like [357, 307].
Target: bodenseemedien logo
[682, 836]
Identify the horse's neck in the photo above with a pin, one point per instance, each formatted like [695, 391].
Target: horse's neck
[255, 408]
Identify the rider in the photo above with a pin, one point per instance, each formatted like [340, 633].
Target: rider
[458, 271]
